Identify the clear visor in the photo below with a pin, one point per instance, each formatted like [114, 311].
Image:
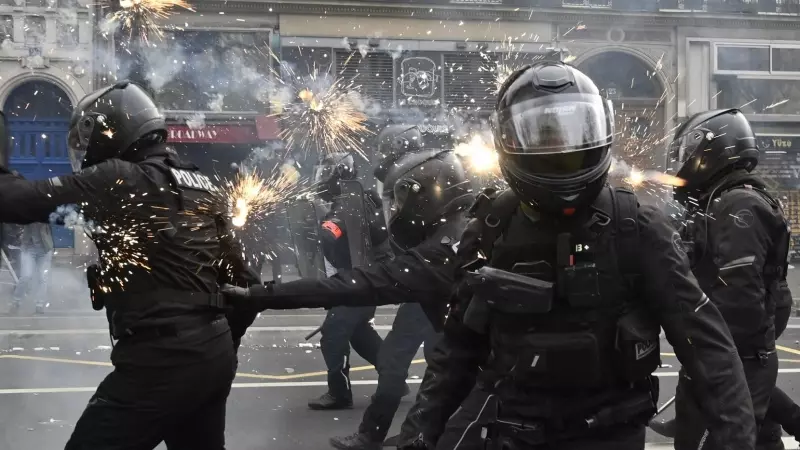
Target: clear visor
[556, 124]
[77, 150]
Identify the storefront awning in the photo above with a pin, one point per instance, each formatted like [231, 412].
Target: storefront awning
[262, 129]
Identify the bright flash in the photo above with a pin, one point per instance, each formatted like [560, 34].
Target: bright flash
[250, 194]
[635, 178]
[481, 156]
[141, 15]
[327, 118]
[108, 133]
[669, 180]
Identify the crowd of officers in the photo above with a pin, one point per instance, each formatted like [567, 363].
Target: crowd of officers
[540, 305]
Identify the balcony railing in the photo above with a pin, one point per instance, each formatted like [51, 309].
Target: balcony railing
[752, 7]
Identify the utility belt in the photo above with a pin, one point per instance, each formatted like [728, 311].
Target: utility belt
[183, 327]
[760, 356]
[516, 434]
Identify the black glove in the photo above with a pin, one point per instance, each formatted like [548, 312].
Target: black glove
[93, 281]
[234, 292]
[5, 171]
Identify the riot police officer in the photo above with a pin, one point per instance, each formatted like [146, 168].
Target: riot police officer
[426, 193]
[738, 239]
[344, 326]
[552, 341]
[163, 251]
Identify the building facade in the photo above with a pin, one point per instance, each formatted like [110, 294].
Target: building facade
[426, 62]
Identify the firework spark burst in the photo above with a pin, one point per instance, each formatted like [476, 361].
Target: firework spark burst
[250, 195]
[141, 16]
[479, 154]
[324, 112]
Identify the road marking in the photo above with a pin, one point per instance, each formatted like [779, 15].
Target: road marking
[238, 374]
[787, 349]
[273, 384]
[104, 331]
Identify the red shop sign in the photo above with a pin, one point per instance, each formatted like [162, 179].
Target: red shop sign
[216, 134]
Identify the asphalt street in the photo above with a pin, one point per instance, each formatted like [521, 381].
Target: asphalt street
[49, 367]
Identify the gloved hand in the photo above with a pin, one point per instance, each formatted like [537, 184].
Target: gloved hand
[232, 292]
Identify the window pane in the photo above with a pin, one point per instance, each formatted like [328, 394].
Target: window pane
[760, 96]
[743, 58]
[786, 59]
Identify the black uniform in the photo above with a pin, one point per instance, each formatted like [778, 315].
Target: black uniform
[558, 318]
[163, 253]
[424, 225]
[738, 241]
[349, 326]
[736, 258]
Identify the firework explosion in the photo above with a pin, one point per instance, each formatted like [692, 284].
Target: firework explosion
[500, 68]
[141, 15]
[326, 117]
[479, 153]
[250, 195]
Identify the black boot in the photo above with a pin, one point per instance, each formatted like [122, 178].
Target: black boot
[328, 402]
[357, 441]
[664, 428]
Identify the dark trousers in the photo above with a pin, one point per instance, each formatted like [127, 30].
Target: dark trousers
[136, 408]
[469, 427]
[783, 413]
[691, 425]
[342, 328]
[410, 329]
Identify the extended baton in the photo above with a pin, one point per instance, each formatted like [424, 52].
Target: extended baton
[665, 406]
[314, 333]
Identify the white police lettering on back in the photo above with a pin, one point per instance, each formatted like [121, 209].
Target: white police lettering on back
[192, 180]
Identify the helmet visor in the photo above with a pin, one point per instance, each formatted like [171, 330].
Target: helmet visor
[683, 147]
[559, 123]
[77, 149]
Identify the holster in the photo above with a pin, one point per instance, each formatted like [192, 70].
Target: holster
[93, 282]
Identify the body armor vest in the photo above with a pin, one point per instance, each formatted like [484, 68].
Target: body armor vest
[587, 330]
[177, 239]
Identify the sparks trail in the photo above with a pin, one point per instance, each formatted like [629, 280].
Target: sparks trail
[141, 15]
[499, 68]
[250, 195]
[319, 111]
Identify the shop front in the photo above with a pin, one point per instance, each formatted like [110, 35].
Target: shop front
[779, 165]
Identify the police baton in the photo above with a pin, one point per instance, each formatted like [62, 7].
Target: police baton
[314, 333]
[664, 406]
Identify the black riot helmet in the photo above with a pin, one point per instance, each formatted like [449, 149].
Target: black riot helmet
[553, 132]
[708, 146]
[421, 190]
[108, 122]
[393, 142]
[334, 168]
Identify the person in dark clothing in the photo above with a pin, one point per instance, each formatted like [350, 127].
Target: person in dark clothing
[427, 193]
[163, 251]
[738, 239]
[345, 326]
[552, 334]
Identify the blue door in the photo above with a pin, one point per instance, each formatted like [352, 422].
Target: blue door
[38, 120]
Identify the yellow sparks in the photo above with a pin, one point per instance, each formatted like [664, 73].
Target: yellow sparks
[480, 154]
[250, 194]
[635, 178]
[328, 116]
[108, 133]
[141, 15]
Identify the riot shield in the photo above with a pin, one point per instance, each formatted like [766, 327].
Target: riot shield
[356, 222]
[304, 226]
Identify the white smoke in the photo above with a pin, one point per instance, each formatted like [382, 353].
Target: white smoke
[197, 121]
[215, 104]
[70, 217]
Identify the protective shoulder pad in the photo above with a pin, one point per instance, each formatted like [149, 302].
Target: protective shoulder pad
[626, 226]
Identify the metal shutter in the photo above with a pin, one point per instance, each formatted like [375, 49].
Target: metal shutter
[469, 81]
[373, 72]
